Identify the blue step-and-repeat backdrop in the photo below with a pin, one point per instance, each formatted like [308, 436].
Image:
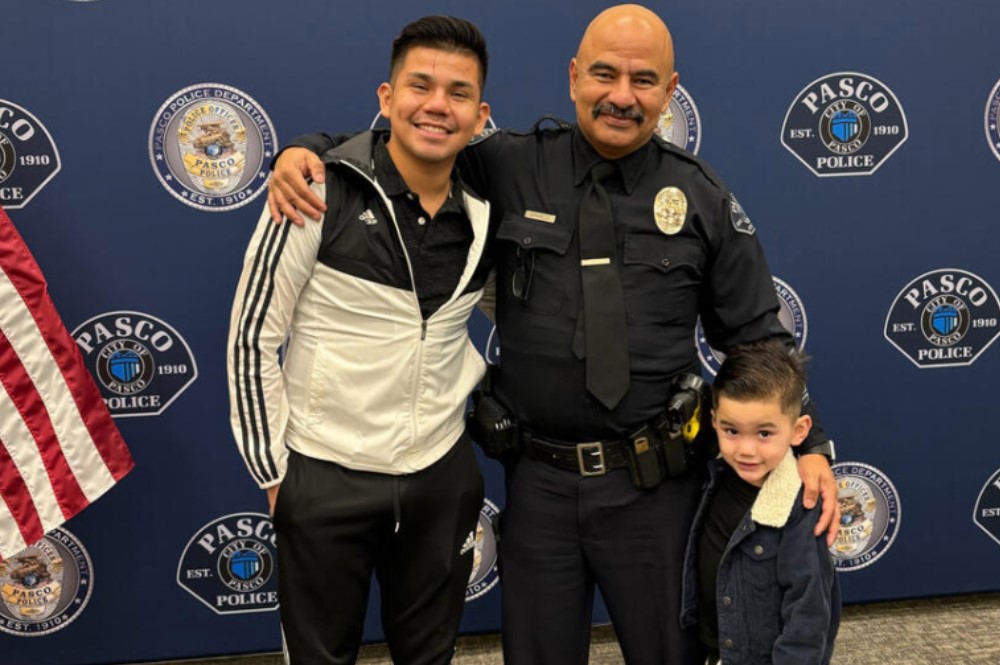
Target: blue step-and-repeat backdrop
[862, 142]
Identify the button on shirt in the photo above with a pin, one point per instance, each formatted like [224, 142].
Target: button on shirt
[437, 247]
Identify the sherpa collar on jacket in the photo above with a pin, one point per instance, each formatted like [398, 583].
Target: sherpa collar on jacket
[777, 496]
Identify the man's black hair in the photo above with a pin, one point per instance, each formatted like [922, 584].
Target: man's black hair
[447, 33]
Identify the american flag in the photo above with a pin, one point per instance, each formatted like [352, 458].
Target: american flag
[59, 448]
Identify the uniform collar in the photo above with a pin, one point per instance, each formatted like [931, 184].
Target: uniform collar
[585, 157]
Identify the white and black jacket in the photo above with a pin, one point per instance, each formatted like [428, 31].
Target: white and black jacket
[366, 382]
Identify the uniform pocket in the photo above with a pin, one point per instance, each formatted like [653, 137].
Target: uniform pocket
[662, 276]
[535, 266]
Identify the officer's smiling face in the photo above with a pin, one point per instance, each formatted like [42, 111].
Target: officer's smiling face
[433, 104]
[622, 79]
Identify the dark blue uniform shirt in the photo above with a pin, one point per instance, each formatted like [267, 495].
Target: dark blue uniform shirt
[712, 267]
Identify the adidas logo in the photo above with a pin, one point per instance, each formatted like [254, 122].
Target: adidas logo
[368, 217]
[470, 542]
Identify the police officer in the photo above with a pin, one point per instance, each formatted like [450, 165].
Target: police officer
[596, 321]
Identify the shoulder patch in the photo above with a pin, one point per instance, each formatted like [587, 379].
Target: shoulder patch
[738, 216]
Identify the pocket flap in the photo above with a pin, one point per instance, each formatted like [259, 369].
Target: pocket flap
[660, 252]
[533, 234]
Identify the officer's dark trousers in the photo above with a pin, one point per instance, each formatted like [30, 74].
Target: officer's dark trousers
[335, 526]
[562, 533]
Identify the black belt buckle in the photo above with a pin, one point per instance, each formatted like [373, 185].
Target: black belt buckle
[585, 454]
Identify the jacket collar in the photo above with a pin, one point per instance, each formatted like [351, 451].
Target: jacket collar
[778, 495]
[357, 151]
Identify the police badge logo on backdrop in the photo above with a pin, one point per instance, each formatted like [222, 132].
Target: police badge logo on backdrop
[844, 124]
[483, 542]
[141, 363]
[229, 564]
[210, 145]
[28, 156]
[986, 514]
[869, 515]
[791, 314]
[944, 318]
[991, 120]
[680, 124]
[46, 586]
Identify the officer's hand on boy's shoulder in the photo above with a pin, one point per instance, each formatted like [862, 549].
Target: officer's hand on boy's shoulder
[288, 192]
[818, 480]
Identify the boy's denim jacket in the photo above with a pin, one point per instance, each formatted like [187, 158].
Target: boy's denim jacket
[778, 597]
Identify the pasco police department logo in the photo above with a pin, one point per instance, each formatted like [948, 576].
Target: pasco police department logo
[843, 124]
[141, 363]
[229, 564]
[45, 586]
[28, 156]
[209, 144]
[791, 314]
[991, 120]
[484, 559]
[680, 124]
[869, 516]
[986, 514]
[944, 318]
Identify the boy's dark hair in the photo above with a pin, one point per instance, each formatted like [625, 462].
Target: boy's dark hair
[446, 33]
[763, 370]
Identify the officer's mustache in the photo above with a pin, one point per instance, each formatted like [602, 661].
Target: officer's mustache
[630, 113]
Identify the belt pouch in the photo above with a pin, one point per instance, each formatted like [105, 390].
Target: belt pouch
[643, 460]
[674, 455]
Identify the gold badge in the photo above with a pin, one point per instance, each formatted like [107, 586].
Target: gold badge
[670, 210]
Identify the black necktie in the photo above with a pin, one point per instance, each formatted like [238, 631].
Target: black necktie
[605, 333]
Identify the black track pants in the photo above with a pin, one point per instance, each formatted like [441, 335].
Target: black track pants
[336, 526]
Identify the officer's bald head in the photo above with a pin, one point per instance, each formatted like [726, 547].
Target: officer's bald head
[622, 78]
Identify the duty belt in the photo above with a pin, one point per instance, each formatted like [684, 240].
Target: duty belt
[592, 458]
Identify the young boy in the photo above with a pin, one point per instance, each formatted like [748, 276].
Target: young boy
[362, 427]
[759, 584]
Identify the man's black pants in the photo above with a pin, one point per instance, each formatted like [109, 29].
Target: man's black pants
[562, 533]
[336, 526]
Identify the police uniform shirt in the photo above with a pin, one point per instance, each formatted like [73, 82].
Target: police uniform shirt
[712, 266]
[438, 247]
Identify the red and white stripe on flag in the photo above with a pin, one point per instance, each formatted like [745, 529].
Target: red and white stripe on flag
[59, 447]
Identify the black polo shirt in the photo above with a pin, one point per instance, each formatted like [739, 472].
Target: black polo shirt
[438, 246]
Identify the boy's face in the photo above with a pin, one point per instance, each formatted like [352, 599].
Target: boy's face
[754, 436]
[434, 104]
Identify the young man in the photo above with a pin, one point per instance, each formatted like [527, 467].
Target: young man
[759, 583]
[361, 427]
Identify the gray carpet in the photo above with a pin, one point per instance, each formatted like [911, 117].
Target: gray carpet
[954, 631]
